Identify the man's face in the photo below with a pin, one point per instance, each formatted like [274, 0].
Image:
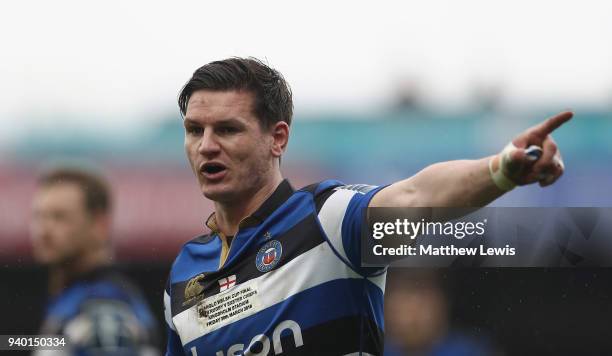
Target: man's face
[416, 316]
[228, 150]
[61, 228]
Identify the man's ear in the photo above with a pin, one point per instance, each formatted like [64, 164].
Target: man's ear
[102, 228]
[280, 137]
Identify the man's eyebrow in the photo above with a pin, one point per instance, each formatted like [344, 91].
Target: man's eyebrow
[231, 120]
[188, 121]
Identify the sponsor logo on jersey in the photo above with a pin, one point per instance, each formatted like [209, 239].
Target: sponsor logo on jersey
[359, 188]
[263, 342]
[193, 289]
[268, 256]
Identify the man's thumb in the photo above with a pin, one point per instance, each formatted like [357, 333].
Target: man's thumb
[519, 158]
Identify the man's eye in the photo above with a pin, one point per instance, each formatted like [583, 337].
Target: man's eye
[227, 129]
[58, 216]
[194, 130]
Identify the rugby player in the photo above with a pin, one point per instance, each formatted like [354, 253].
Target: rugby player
[91, 304]
[280, 271]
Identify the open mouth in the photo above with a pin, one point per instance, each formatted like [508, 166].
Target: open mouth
[213, 170]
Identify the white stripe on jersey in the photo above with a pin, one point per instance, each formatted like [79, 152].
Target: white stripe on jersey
[331, 217]
[323, 266]
[168, 312]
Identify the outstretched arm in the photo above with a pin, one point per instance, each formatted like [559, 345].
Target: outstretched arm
[474, 183]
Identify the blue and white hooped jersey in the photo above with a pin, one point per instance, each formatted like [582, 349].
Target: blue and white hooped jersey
[291, 284]
[101, 313]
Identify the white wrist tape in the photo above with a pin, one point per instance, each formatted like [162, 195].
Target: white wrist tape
[499, 178]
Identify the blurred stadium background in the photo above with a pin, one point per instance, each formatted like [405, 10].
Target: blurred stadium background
[398, 93]
[158, 204]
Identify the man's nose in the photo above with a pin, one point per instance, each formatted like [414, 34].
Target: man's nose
[209, 143]
[40, 228]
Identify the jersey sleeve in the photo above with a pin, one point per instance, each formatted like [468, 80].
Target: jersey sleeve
[174, 346]
[341, 215]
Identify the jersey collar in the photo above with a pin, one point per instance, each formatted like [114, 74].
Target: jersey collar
[282, 193]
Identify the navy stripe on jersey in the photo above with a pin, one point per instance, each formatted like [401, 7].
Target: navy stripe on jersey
[300, 238]
[322, 198]
[324, 339]
[323, 186]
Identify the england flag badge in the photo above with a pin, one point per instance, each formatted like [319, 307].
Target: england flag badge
[227, 282]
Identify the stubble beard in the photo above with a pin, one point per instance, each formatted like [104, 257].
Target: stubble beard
[241, 191]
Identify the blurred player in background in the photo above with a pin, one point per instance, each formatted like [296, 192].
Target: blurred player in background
[99, 311]
[417, 319]
[280, 272]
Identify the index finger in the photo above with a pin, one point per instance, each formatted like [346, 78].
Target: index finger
[551, 124]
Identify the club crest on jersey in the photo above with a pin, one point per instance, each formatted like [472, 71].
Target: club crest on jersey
[268, 256]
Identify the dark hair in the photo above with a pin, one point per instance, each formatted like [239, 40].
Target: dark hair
[95, 188]
[273, 102]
